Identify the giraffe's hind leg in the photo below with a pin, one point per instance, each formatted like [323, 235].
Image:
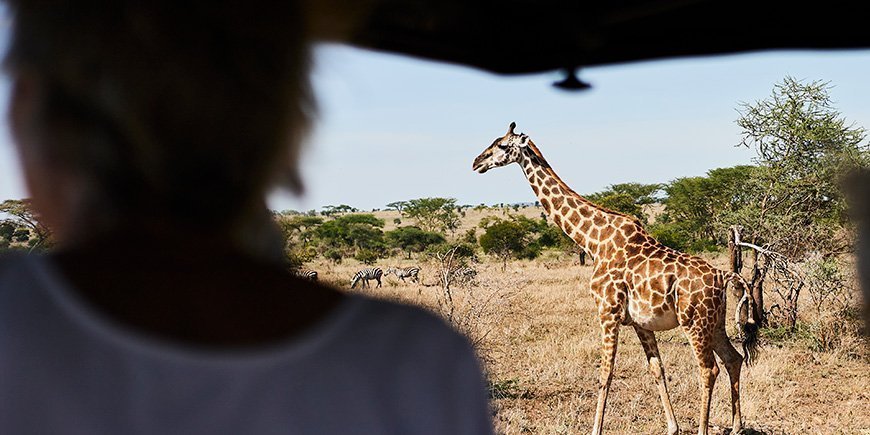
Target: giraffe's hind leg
[733, 361]
[657, 369]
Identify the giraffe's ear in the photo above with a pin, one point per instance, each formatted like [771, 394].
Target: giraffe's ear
[512, 127]
[524, 140]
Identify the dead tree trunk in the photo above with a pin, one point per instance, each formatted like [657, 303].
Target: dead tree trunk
[582, 255]
[735, 254]
[787, 282]
[735, 251]
[759, 272]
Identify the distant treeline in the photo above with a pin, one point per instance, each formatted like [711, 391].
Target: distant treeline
[789, 200]
[434, 224]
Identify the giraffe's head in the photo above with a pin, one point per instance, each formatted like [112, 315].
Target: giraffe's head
[504, 150]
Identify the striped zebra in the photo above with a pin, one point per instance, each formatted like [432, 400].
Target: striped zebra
[308, 274]
[464, 274]
[365, 275]
[404, 272]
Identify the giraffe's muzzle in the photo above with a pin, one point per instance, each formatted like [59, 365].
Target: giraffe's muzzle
[480, 164]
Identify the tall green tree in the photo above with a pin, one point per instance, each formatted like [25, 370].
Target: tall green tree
[699, 209]
[433, 214]
[803, 147]
[351, 234]
[412, 239]
[332, 210]
[515, 237]
[398, 206]
[297, 231]
[628, 198]
[297, 228]
[505, 239]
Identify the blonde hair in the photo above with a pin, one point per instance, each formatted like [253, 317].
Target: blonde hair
[183, 109]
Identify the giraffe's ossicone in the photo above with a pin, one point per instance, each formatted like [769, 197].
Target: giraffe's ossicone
[638, 282]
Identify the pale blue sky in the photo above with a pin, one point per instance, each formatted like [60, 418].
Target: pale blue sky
[395, 128]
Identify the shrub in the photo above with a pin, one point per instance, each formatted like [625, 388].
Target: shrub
[412, 239]
[366, 256]
[670, 235]
[333, 255]
[470, 236]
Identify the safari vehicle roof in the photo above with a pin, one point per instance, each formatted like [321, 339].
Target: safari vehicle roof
[527, 36]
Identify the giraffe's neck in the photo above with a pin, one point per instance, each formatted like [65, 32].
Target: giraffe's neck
[575, 215]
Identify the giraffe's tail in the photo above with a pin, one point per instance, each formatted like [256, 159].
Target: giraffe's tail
[749, 326]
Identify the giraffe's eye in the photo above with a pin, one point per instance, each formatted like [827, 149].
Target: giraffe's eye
[502, 145]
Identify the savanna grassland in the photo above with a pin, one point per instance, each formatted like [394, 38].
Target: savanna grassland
[536, 331]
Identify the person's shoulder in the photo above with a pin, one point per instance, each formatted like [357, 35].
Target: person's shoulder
[18, 273]
[408, 326]
[398, 313]
[419, 357]
[11, 261]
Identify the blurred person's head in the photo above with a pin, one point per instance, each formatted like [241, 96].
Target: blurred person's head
[157, 114]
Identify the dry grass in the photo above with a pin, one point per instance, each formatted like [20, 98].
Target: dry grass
[536, 330]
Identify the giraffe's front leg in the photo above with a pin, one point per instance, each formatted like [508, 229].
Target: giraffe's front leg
[657, 369]
[609, 342]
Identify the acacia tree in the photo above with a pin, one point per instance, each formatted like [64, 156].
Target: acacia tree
[297, 231]
[357, 235]
[698, 210]
[628, 198]
[803, 147]
[412, 239]
[332, 210]
[297, 228]
[506, 239]
[433, 214]
[398, 206]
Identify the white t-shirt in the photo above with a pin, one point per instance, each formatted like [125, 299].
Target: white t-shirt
[370, 367]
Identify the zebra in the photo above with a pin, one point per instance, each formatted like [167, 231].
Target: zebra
[464, 274]
[308, 274]
[404, 272]
[365, 275]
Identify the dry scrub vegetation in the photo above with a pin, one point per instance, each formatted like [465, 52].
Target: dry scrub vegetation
[536, 331]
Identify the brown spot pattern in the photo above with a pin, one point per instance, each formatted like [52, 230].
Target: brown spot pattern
[636, 279]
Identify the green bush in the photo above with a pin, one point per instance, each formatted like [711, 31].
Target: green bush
[704, 245]
[670, 235]
[470, 236]
[412, 239]
[366, 256]
[333, 255]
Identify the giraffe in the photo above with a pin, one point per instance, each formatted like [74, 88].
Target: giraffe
[639, 282]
